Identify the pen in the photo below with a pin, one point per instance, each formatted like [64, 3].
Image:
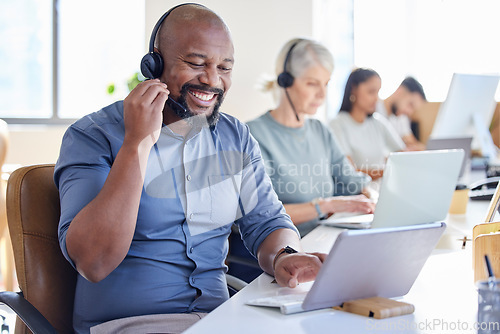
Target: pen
[492, 285]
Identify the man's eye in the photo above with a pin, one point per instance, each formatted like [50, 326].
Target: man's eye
[194, 64]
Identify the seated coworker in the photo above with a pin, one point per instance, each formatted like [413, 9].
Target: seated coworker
[400, 106]
[306, 166]
[149, 192]
[366, 137]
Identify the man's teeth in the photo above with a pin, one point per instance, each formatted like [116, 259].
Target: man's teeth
[203, 97]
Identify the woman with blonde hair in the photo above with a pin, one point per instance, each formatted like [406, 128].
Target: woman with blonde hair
[309, 172]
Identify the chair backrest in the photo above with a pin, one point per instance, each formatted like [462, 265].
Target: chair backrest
[46, 279]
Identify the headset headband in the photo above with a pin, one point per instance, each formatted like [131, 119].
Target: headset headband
[160, 21]
[285, 79]
[288, 55]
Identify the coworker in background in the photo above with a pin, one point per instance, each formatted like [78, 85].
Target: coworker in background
[302, 157]
[400, 107]
[149, 190]
[365, 136]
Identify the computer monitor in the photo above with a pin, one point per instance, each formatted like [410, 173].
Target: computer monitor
[468, 109]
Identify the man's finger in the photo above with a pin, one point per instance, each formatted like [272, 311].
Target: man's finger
[292, 282]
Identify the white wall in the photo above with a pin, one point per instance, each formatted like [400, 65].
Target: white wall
[259, 29]
[34, 144]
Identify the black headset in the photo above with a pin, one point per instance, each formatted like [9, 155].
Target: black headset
[285, 79]
[152, 63]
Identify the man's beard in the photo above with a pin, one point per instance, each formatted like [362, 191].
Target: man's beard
[187, 114]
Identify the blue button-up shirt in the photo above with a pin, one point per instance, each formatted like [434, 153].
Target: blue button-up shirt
[195, 188]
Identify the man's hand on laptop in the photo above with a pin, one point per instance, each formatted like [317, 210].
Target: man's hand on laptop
[292, 269]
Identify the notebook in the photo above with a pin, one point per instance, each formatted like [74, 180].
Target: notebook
[416, 188]
[381, 262]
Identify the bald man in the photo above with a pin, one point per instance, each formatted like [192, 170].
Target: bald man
[150, 187]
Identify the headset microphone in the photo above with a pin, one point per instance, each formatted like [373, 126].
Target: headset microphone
[152, 62]
[285, 78]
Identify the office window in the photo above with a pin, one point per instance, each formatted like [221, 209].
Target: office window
[26, 58]
[101, 42]
[428, 39]
[333, 26]
[59, 66]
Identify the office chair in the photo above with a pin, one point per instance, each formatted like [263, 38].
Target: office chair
[239, 261]
[46, 280]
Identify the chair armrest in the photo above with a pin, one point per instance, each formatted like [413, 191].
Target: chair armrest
[235, 283]
[31, 317]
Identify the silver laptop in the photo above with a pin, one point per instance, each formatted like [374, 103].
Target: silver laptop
[463, 143]
[416, 188]
[363, 263]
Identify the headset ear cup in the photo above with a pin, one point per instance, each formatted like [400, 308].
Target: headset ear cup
[285, 80]
[152, 65]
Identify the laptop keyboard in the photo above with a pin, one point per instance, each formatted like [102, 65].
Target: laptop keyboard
[277, 301]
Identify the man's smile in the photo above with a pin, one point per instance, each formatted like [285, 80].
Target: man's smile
[203, 96]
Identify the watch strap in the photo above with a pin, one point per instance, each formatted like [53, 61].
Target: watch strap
[321, 214]
[287, 249]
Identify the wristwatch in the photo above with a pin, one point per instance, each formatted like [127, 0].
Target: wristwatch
[287, 249]
[321, 214]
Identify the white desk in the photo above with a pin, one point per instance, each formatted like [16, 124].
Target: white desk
[460, 226]
[444, 295]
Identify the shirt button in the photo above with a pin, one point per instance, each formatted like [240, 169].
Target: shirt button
[193, 280]
[191, 216]
[188, 177]
[191, 250]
